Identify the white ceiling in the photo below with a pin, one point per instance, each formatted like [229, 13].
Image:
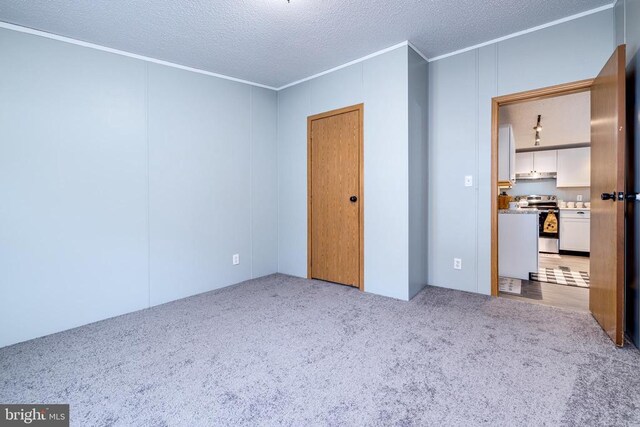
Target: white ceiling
[565, 120]
[273, 42]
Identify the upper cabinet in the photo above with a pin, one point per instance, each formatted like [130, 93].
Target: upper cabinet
[506, 154]
[524, 163]
[537, 162]
[574, 167]
[571, 166]
[545, 161]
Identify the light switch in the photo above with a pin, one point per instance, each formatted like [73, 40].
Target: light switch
[468, 181]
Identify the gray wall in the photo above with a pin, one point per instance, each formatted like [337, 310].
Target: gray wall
[418, 171]
[381, 83]
[125, 184]
[460, 92]
[628, 31]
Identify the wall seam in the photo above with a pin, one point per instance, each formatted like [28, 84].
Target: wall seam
[495, 93]
[146, 119]
[251, 183]
[306, 180]
[477, 164]
[409, 188]
[278, 182]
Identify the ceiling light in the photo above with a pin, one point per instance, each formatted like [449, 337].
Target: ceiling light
[538, 128]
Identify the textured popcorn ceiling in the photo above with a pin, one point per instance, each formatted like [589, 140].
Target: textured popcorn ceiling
[274, 42]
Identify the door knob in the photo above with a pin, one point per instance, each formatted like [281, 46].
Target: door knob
[609, 196]
[353, 199]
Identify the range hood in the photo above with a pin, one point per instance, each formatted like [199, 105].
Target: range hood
[536, 175]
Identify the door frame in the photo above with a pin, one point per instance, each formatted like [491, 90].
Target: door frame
[310, 120]
[496, 103]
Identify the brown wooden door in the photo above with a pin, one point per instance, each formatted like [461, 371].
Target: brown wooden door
[335, 202]
[608, 167]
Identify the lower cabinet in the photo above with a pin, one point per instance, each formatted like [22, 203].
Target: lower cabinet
[518, 244]
[575, 230]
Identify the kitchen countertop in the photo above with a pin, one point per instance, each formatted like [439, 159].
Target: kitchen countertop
[574, 209]
[519, 211]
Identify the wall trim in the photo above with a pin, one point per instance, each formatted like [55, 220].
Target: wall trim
[417, 51]
[466, 49]
[28, 30]
[355, 61]
[527, 31]
[52, 36]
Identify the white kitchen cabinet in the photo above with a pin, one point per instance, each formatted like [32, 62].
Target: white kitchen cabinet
[506, 154]
[537, 161]
[575, 230]
[545, 161]
[574, 167]
[524, 162]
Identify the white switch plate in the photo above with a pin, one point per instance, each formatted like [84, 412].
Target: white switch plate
[457, 263]
[468, 181]
[579, 198]
[236, 259]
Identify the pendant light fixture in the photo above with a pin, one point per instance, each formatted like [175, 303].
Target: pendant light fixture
[538, 129]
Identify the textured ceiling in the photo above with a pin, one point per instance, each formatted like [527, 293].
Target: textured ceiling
[565, 120]
[273, 42]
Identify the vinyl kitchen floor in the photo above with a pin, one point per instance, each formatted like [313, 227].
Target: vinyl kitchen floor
[569, 297]
[575, 263]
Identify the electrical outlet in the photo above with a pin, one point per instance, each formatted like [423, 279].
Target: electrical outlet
[457, 263]
[468, 181]
[579, 198]
[236, 259]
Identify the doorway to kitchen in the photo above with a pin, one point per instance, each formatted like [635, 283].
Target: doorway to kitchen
[609, 197]
[544, 158]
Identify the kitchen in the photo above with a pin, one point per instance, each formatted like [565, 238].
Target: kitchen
[544, 168]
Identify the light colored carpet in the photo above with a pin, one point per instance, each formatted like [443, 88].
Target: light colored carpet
[288, 351]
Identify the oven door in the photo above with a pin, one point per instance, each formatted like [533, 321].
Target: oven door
[549, 241]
